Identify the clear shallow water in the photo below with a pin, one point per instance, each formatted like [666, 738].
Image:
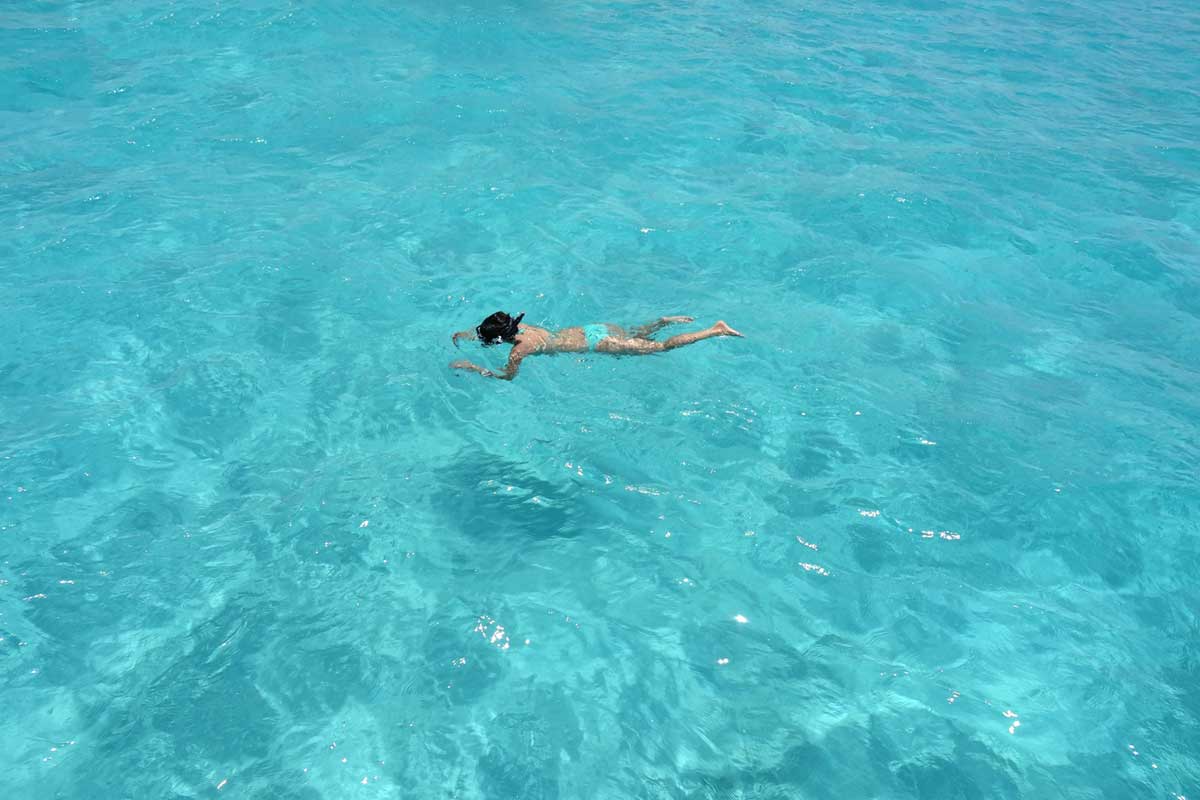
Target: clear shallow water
[256, 539]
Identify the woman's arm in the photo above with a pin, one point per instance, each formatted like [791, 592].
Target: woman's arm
[463, 335]
[510, 371]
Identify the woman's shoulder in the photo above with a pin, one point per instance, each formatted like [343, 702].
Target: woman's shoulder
[531, 334]
[534, 330]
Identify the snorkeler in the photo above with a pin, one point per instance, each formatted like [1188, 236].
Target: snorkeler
[530, 340]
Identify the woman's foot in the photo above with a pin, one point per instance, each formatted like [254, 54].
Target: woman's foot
[721, 329]
[676, 320]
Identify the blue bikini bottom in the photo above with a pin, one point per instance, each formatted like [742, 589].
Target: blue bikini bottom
[595, 334]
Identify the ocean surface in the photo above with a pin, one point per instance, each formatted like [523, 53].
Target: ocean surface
[931, 530]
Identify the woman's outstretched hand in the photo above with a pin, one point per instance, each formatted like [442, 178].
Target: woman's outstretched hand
[462, 363]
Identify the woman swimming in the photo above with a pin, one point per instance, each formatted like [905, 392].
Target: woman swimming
[530, 340]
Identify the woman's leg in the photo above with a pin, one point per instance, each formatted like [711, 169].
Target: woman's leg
[644, 331]
[630, 347]
[641, 347]
[719, 328]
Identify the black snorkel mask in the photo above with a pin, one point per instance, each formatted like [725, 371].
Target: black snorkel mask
[499, 327]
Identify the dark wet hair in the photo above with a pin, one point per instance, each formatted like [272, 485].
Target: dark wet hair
[499, 327]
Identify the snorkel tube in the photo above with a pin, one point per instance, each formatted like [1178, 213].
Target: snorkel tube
[512, 326]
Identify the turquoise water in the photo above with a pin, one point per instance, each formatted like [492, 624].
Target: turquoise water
[929, 531]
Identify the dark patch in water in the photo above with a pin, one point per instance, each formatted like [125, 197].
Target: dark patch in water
[506, 498]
